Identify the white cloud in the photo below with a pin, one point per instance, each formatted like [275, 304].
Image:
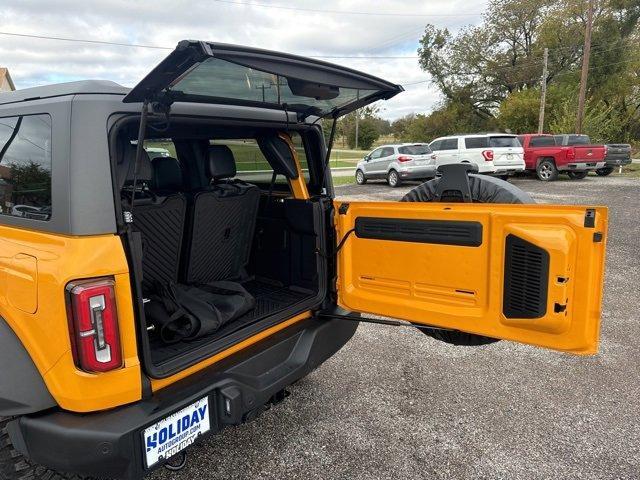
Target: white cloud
[163, 23]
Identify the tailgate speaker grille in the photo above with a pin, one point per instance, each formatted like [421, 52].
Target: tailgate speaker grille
[526, 279]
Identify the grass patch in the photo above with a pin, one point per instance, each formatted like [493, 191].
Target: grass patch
[631, 170]
[342, 180]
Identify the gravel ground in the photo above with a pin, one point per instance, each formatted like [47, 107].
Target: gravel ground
[397, 404]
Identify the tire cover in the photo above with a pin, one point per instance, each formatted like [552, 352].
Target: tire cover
[484, 189]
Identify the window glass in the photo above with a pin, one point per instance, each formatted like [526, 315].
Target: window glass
[414, 149]
[559, 139]
[160, 148]
[450, 144]
[251, 164]
[542, 141]
[503, 141]
[387, 151]
[25, 166]
[578, 140]
[377, 153]
[521, 140]
[436, 145]
[476, 142]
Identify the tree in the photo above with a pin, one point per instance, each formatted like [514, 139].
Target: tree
[367, 134]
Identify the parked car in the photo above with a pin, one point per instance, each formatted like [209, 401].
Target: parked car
[545, 155]
[397, 162]
[618, 155]
[494, 153]
[164, 300]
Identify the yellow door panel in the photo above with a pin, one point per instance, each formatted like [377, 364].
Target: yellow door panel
[527, 273]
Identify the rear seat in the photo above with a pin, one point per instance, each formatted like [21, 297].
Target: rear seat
[222, 222]
[160, 217]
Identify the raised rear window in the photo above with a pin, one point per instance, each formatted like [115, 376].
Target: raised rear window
[503, 141]
[414, 150]
[578, 140]
[25, 166]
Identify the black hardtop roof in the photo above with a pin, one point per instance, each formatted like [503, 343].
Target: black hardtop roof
[61, 89]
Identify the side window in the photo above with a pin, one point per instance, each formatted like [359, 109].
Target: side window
[521, 140]
[251, 164]
[160, 148]
[436, 145]
[475, 142]
[542, 141]
[25, 166]
[387, 151]
[377, 153]
[450, 144]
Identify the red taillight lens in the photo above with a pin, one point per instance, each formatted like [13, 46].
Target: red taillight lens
[487, 155]
[571, 154]
[404, 158]
[94, 325]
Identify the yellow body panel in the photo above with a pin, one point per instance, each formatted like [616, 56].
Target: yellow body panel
[460, 287]
[35, 268]
[298, 185]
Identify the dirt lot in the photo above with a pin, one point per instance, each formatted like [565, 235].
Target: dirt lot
[397, 404]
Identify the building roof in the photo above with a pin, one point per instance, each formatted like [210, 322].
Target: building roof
[60, 89]
[5, 77]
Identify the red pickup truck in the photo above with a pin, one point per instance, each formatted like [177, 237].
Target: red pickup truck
[543, 155]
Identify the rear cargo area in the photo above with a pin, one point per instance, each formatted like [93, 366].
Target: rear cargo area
[217, 257]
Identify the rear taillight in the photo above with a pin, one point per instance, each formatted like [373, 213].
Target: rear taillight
[571, 153]
[94, 325]
[487, 155]
[404, 158]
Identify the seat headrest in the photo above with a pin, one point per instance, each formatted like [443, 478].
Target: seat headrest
[220, 163]
[167, 174]
[128, 164]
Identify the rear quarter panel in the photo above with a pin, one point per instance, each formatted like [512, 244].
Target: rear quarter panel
[35, 268]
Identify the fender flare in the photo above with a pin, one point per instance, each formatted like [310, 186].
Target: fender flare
[22, 388]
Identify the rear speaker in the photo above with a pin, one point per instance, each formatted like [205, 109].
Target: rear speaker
[526, 279]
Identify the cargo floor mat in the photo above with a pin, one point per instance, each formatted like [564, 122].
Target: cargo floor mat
[270, 298]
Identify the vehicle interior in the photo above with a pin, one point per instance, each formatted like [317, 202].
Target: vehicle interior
[225, 234]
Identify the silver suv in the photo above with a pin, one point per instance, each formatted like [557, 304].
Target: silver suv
[395, 163]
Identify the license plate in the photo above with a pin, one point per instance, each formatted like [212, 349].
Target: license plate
[176, 432]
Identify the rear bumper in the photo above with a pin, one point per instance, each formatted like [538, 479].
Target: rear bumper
[508, 170]
[415, 173]
[617, 161]
[109, 444]
[581, 166]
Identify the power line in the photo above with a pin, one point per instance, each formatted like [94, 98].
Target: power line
[158, 47]
[346, 12]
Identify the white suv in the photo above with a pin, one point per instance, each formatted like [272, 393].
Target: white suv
[495, 153]
[395, 163]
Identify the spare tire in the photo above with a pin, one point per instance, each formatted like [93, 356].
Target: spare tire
[484, 189]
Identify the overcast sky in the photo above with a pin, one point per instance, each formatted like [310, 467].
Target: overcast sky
[259, 23]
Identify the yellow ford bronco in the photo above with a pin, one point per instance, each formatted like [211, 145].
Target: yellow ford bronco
[172, 257]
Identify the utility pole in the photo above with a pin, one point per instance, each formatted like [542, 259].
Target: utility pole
[543, 91]
[586, 52]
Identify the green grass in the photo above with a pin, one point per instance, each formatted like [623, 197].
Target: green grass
[342, 180]
[631, 170]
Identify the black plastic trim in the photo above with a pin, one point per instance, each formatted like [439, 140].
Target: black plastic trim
[442, 232]
[109, 444]
[526, 279]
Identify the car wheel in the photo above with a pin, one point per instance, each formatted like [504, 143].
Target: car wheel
[14, 466]
[484, 189]
[393, 179]
[603, 172]
[360, 178]
[577, 175]
[547, 171]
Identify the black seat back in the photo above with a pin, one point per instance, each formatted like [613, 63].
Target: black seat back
[159, 214]
[222, 222]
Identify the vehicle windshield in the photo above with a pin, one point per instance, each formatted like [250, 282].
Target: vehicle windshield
[503, 141]
[415, 149]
